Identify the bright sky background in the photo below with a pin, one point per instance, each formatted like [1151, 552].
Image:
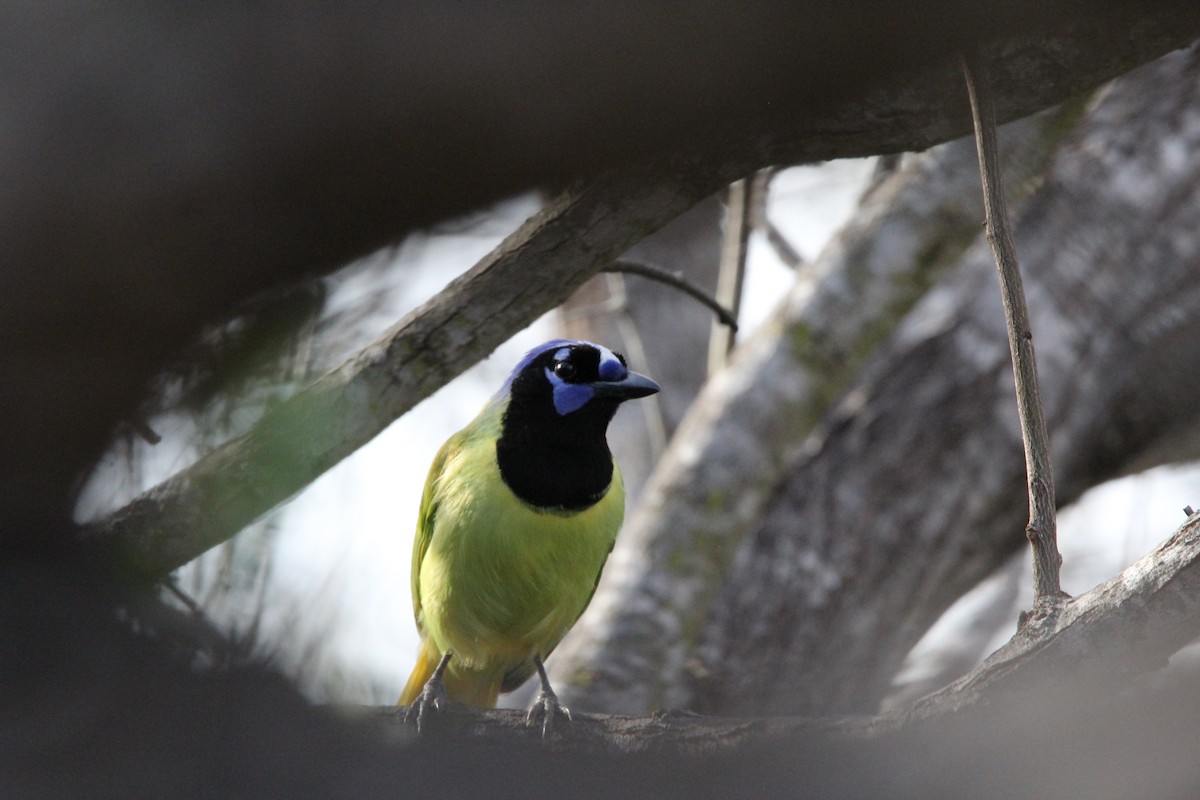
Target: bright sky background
[337, 597]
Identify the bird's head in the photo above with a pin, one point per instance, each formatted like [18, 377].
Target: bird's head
[564, 377]
[556, 406]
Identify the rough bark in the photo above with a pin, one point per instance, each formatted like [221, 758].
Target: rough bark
[912, 492]
[160, 164]
[875, 518]
[298, 440]
[758, 416]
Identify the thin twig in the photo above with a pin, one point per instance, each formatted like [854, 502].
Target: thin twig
[183, 597]
[760, 220]
[787, 253]
[733, 268]
[1041, 530]
[677, 281]
[886, 166]
[143, 429]
[631, 338]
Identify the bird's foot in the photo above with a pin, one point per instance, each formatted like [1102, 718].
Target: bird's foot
[429, 702]
[546, 711]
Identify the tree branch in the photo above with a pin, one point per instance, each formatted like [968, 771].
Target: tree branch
[411, 143]
[1041, 529]
[676, 281]
[632, 649]
[760, 219]
[1155, 603]
[532, 271]
[735, 238]
[1127, 626]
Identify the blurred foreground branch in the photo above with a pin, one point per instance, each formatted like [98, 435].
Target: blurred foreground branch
[534, 271]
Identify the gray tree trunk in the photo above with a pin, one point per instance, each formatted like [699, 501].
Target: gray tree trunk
[871, 432]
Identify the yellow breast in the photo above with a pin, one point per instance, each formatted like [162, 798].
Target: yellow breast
[501, 580]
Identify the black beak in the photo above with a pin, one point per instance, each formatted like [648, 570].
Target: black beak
[630, 387]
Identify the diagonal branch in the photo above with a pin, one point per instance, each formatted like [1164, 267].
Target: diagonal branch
[760, 220]
[209, 502]
[1127, 626]
[678, 546]
[1041, 530]
[532, 271]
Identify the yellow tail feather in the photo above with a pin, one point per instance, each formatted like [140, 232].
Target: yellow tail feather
[476, 689]
[422, 672]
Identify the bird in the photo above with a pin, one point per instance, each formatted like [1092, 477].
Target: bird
[519, 514]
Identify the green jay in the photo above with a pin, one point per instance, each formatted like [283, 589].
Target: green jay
[520, 511]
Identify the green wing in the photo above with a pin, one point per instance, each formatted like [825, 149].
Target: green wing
[425, 520]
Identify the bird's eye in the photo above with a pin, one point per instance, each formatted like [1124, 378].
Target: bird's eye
[564, 370]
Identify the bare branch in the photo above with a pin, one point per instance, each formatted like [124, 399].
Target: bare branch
[1127, 626]
[733, 267]
[676, 280]
[760, 219]
[783, 248]
[885, 167]
[1041, 530]
[531, 272]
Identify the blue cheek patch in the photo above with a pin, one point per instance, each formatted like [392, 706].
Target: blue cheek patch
[568, 397]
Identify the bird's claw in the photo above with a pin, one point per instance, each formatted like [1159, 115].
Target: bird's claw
[545, 711]
[430, 701]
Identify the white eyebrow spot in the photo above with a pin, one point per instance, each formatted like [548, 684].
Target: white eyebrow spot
[561, 353]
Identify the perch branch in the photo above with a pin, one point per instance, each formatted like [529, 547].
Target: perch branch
[1125, 627]
[1041, 530]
